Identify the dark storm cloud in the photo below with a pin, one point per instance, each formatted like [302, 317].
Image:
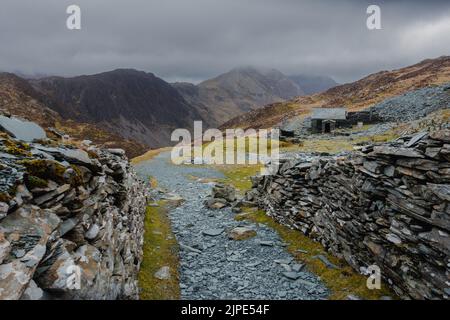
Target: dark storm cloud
[197, 39]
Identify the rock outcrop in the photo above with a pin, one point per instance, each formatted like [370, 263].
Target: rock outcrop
[388, 205]
[71, 222]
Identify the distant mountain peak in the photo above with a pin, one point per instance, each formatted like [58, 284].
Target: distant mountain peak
[311, 84]
[237, 91]
[134, 104]
[359, 95]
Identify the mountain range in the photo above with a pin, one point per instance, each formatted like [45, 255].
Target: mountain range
[20, 98]
[358, 95]
[244, 89]
[131, 105]
[136, 110]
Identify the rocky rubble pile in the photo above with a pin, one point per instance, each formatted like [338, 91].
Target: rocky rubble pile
[222, 196]
[413, 105]
[388, 205]
[435, 121]
[71, 222]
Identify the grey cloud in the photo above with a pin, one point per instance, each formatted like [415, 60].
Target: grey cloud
[196, 39]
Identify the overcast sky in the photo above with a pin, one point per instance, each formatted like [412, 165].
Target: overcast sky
[193, 40]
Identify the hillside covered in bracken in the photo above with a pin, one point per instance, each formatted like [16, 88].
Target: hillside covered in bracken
[19, 98]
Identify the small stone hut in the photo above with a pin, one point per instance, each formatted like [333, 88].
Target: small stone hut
[324, 120]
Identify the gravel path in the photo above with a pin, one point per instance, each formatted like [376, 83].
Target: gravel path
[214, 267]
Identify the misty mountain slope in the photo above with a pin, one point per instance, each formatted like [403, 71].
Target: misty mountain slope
[133, 104]
[17, 96]
[313, 84]
[238, 91]
[358, 95]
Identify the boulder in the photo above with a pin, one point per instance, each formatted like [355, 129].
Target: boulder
[222, 191]
[163, 273]
[241, 233]
[92, 233]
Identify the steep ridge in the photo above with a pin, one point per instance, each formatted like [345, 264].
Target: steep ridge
[19, 98]
[238, 91]
[133, 104]
[358, 95]
[136, 110]
[313, 84]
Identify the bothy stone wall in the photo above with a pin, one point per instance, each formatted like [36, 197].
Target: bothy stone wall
[388, 205]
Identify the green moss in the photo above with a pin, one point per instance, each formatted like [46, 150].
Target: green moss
[45, 169]
[77, 180]
[16, 148]
[35, 182]
[160, 249]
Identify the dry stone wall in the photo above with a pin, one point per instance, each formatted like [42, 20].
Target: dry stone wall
[388, 205]
[71, 222]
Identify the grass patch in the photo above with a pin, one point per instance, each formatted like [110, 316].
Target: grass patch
[384, 137]
[160, 249]
[229, 148]
[342, 282]
[328, 146]
[446, 115]
[242, 144]
[337, 145]
[239, 175]
[153, 182]
[149, 155]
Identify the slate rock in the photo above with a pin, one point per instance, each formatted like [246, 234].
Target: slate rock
[326, 262]
[32, 292]
[21, 129]
[292, 275]
[213, 232]
[241, 233]
[163, 273]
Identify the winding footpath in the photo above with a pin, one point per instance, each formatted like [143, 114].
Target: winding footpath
[211, 265]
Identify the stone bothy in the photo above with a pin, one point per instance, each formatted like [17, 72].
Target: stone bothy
[325, 120]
